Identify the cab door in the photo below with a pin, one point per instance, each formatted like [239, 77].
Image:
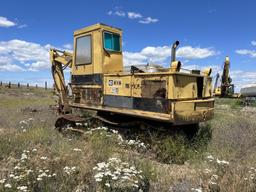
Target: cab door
[83, 60]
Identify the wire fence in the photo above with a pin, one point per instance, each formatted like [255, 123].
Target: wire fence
[22, 85]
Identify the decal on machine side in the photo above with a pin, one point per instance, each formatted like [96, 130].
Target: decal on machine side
[115, 83]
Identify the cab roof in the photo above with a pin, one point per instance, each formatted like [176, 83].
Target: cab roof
[97, 26]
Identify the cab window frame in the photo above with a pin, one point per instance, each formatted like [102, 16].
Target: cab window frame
[112, 33]
[91, 50]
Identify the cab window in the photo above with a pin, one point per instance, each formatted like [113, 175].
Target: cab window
[83, 50]
[111, 41]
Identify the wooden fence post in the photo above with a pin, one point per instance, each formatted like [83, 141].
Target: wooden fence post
[45, 85]
[1, 83]
[27, 85]
[10, 84]
[36, 86]
[18, 84]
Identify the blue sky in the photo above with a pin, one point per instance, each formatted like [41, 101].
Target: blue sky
[208, 30]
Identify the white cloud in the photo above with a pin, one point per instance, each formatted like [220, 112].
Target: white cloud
[117, 13]
[23, 53]
[134, 58]
[4, 22]
[253, 43]
[5, 65]
[251, 53]
[22, 26]
[68, 46]
[11, 67]
[161, 54]
[242, 78]
[148, 20]
[133, 15]
[189, 52]
[19, 55]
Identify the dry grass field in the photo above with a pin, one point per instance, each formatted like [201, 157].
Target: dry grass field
[36, 157]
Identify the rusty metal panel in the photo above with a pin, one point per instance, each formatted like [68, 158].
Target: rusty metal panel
[153, 89]
[89, 96]
[152, 104]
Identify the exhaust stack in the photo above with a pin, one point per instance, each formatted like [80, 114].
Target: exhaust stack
[174, 46]
[175, 65]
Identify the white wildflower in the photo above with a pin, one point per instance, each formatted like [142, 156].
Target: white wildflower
[125, 177]
[34, 150]
[77, 149]
[99, 175]
[16, 177]
[114, 131]
[23, 122]
[17, 167]
[73, 168]
[43, 158]
[24, 156]
[98, 179]
[196, 189]
[102, 165]
[42, 175]
[131, 142]
[107, 184]
[210, 157]
[11, 175]
[223, 162]
[7, 185]
[67, 170]
[39, 179]
[2, 181]
[22, 188]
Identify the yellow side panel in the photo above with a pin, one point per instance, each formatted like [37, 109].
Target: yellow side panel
[207, 86]
[112, 62]
[97, 52]
[184, 87]
[117, 85]
[171, 88]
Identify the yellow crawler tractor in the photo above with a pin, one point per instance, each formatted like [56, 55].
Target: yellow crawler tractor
[100, 83]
